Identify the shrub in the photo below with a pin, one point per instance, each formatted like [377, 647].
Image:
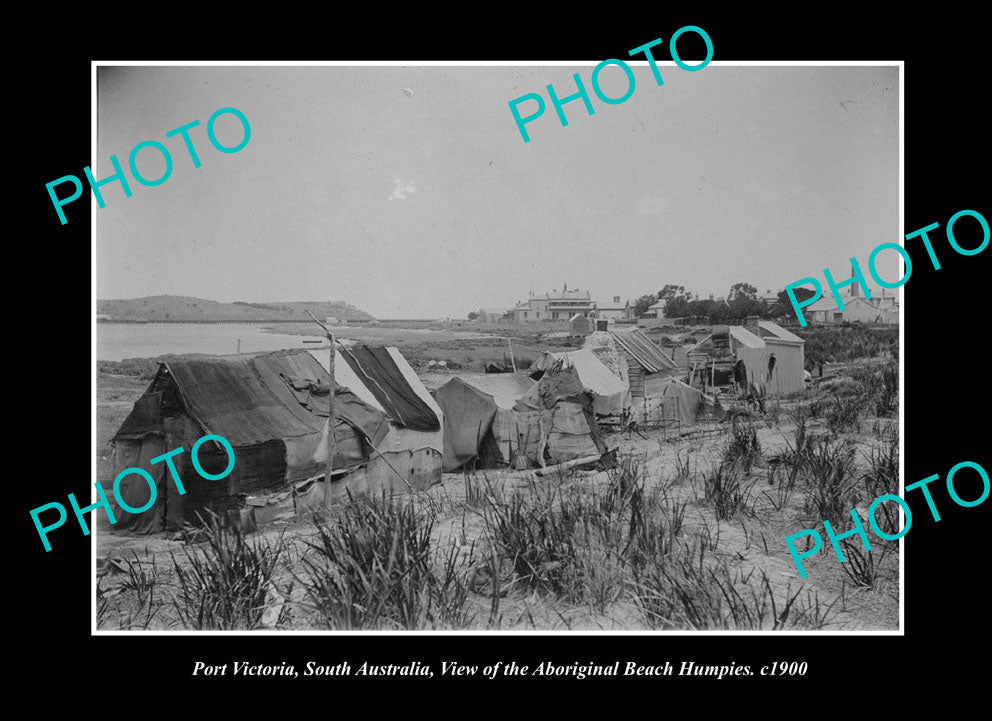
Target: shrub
[879, 388]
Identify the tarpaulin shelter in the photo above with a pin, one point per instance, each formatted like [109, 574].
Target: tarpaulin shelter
[271, 407]
[673, 404]
[409, 455]
[568, 421]
[481, 425]
[609, 394]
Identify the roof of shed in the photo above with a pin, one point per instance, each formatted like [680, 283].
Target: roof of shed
[639, 347]
[778, 332]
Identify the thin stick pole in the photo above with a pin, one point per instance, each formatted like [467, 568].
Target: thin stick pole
[331, 417]
[512, 361]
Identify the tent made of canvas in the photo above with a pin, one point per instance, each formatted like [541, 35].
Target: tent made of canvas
[271, 407]
[481, 425]
[610, 395]
[568, 425]
[409, 456]
[672, 404]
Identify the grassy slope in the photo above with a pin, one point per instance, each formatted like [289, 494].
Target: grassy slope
[179, 308]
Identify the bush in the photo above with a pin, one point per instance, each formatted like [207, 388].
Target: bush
[830, 344]
[879, 388]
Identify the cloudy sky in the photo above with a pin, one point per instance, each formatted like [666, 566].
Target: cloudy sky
[409, 192]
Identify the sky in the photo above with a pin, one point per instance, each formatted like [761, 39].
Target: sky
[409, 192]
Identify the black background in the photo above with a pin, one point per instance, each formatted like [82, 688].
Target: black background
[945, 361]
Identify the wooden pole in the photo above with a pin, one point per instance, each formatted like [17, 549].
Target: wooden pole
[512, 361]
[330, 414]
[331, 417]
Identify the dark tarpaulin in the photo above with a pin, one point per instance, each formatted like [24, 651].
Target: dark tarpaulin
[272, 408]
[227, 396]
[556, 385]
[144, 419]
[299, 376]
[376, 368]
[468, 417]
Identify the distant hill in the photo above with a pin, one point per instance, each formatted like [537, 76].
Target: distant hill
[183, 308]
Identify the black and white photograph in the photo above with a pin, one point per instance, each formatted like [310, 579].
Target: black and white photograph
[568, 391]
[551, 351]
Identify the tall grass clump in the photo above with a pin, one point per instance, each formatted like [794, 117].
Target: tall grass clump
[843, 413]
[801, 416]
[541, 534]
[728, 490]
[743, 449]
[880, 387]
[783, 482]
[689, 593]
[224, 585]
[831, 484]
[882, 477]
[863, 568]
[373, 567]
[584, 545]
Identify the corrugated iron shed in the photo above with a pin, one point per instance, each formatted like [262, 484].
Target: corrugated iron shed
[639, 347]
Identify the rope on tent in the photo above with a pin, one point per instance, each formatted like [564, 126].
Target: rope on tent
[398, 475]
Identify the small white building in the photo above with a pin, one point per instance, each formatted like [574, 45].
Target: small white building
[555, 306]
[883, 309]
[492, 315]
[612, 309]
[657, 310]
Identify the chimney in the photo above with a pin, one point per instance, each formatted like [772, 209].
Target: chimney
[751, 324]
[854, 287]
